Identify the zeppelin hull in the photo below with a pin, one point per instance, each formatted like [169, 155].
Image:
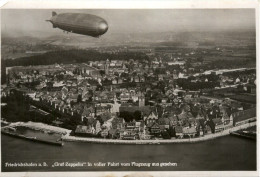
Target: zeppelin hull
[85, 24]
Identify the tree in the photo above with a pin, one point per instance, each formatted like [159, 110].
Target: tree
[161, 85]
[49, 84]
[79, 99]
[125, 75]
[127, 116]
[172, 132]
[200, 59]
[102, 72]
[100, 119]
[116, 74]
[85, 121]
[165, 135]
[137, 115]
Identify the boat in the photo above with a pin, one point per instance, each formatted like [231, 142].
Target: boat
[244, 134]
[34, 139]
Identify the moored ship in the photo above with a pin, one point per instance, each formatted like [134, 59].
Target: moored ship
[11, 131]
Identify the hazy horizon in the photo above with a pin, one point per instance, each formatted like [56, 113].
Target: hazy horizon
[32, 22]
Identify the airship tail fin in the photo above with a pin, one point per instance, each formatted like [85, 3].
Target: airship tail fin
[54, 13]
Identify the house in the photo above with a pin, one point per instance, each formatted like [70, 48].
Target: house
[191, 131]
[82, 130]
[113, 133]
[125, 96]
[219, 125]
[87, 112]
[117, 123]
[107, 123]
[154, 128]
[114, 106]
[251, 88]
[225, 118]
[185, 115]
[243, 117]
[173, 120]
[120, 81]
[114, 81]
[104, 133]
[192, 122]
[151, 117]
[164, 123]
[72, 98]
[179, 131]
[130, 125]
[142, 79]
[101, 109]
[136, 79]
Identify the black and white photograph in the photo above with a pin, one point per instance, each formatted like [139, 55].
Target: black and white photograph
[128, 89]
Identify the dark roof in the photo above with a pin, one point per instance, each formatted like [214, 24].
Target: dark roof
[145, 109]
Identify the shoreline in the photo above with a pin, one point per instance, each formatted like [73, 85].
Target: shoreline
[163, 141]
[66, 135]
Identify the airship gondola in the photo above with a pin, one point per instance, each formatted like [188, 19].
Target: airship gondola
[85, 24]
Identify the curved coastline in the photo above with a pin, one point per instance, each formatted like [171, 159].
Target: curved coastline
[67, 137]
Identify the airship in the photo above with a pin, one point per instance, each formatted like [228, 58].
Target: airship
[79, 23]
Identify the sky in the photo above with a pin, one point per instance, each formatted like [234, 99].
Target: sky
[32, 22]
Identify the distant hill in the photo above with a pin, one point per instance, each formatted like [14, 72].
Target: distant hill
[72, 56]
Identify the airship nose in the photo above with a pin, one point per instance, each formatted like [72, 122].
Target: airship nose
[103, 27]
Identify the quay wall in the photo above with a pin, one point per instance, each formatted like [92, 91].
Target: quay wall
[67, 137]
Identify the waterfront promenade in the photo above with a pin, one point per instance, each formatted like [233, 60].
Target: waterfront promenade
[67, 137]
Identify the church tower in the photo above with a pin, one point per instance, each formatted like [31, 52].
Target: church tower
[141, 100]
[107, 67]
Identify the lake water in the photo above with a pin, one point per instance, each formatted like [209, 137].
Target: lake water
[225, 153]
